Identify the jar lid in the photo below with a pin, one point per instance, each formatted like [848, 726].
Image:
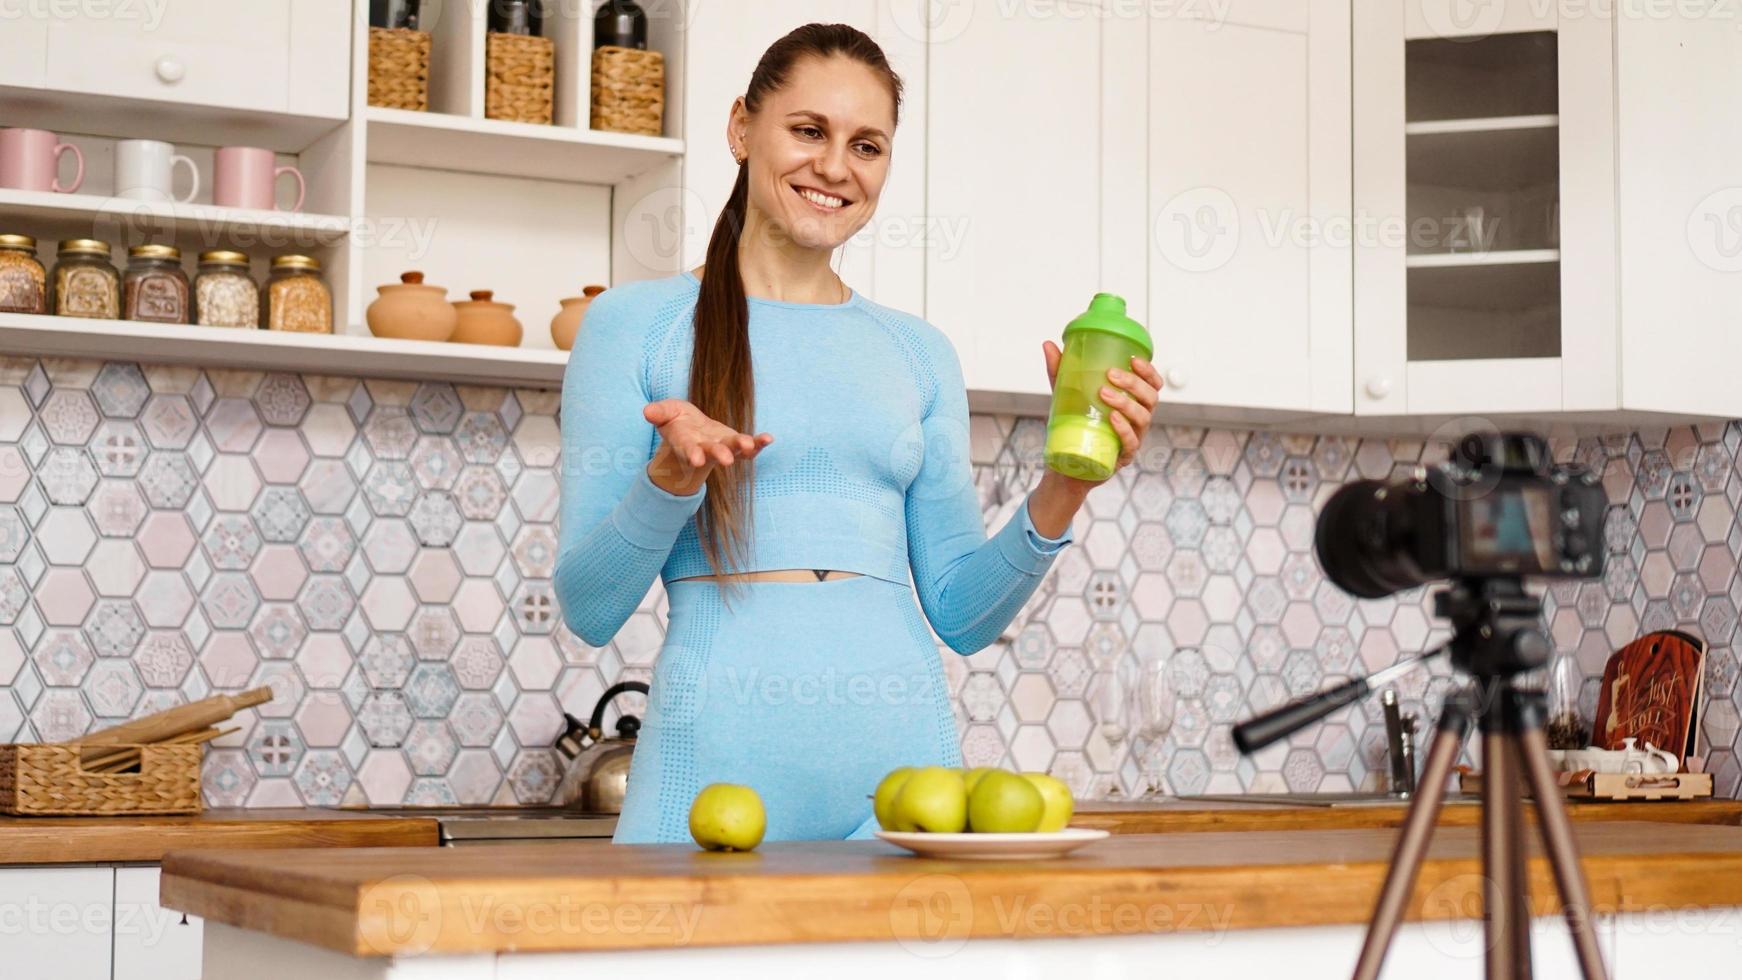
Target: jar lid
[224, 257]
[18, 241]
[155, 252]
[1106, 314]
[84, 246]
[296, 262]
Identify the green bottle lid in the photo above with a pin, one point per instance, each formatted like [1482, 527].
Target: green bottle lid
[1106, 313]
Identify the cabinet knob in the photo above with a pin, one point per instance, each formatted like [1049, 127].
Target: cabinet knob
[170, 70]
[1175, 378]
[1378, 387]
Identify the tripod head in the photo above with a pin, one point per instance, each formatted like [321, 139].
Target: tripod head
[1497, 627]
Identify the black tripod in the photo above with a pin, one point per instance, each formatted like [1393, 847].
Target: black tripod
[1496, 637]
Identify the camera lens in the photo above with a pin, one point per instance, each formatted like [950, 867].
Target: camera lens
[1365, 539]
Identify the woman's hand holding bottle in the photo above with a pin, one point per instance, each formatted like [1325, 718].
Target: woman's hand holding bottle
[691, 445]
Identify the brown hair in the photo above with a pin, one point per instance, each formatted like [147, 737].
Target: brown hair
[721, 383]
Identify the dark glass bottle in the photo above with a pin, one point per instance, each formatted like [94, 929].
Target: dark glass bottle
[620, 23]
[394, 13]
[516, 17]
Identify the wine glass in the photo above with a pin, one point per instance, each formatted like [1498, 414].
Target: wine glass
[1153, 700]
[1111, 702]
[1113, 699]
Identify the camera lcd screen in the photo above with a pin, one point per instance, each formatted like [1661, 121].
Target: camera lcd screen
[1509, 530]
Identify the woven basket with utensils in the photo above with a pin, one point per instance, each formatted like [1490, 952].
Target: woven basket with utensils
[147, 765]
[57, 779]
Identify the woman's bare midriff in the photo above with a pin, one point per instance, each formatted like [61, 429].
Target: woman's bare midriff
[781, 575]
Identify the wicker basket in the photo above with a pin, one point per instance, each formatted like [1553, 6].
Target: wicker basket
[51, 779]
[399, 68]
[629, 90]
[519, 77]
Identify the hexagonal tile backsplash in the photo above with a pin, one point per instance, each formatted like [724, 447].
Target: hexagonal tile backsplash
[380, 554]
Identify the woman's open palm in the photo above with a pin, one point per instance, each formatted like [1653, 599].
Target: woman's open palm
[692, 444]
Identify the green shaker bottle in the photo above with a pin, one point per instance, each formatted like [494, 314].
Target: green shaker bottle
[1080, 440]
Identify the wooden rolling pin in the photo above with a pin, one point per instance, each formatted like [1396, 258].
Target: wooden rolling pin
[175, 721]
[121, 759]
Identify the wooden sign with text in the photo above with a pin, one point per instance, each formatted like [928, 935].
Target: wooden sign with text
[1652, 690]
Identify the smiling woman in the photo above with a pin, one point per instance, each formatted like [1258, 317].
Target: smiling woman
[788, 457]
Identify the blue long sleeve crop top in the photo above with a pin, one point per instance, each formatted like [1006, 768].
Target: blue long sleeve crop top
[869, 469]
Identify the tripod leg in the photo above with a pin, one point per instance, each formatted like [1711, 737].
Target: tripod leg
[1517, 879]
[1412, 840]
[1557, 838]
[1503, 917]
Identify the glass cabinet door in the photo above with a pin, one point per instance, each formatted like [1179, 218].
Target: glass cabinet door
[1474, 144]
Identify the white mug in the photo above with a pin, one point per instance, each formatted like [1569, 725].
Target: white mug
[145, 171]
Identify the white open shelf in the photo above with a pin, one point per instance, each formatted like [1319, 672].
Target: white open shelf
[533, 212]
[269, 350]
[1481, 125]
[1523, 256]
[43, 206]
[443, 141]
[162, 119]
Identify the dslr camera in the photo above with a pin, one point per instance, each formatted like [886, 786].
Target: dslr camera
[1497, 509]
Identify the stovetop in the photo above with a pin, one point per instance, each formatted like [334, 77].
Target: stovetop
[504, 824]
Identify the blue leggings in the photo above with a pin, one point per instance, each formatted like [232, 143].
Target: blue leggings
[808, 692]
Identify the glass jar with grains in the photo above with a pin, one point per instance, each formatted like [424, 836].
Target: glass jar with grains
[155, 288]
[295, 298]
[224, 292]
[23, 281]
[85, 282]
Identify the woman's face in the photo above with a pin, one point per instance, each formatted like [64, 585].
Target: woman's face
[818, 150]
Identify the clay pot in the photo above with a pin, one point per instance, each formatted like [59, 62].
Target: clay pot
[485, 322]
[411, 310]
[567, 323]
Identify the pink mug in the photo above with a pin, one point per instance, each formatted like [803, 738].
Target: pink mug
[30, 160]
[245, 177]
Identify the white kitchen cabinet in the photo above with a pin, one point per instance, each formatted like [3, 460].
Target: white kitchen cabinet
[1013, 173]
[1189, 164]
[1548, 189]
[56, 922]
[152, 942]
[1248, 190]
[266, 55]
[886, 260]
[1680, 216]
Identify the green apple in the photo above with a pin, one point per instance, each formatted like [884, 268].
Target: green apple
[972, 777]
[1057, 795]
[883, 801]
[933, 799]
[1004, 803]
[727, 817]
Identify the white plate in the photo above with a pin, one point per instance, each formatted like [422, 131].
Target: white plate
[999, 847]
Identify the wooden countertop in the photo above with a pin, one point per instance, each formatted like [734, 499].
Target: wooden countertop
[581, 895]
[119, 839]
[97, 840]
[1197, 816]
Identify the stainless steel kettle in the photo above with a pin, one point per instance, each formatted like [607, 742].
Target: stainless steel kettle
[596, 775]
